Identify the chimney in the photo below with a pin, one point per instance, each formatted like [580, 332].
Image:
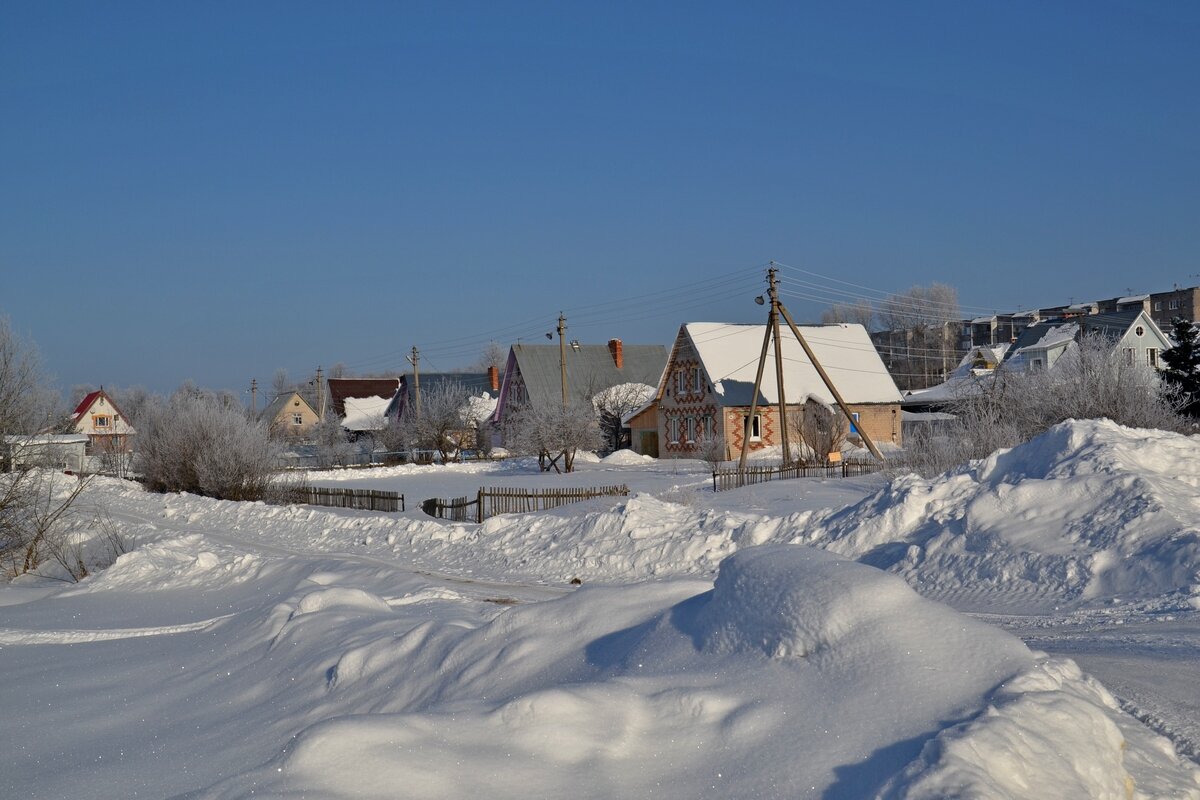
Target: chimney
[494, 378]
[618, 354]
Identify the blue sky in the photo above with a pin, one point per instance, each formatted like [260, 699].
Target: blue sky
[217, 190]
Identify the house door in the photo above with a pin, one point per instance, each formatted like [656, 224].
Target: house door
[650, 443]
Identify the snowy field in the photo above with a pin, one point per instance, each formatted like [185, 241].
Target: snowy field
[1025, 626]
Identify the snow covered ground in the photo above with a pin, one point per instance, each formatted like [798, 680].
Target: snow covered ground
[1026, 626]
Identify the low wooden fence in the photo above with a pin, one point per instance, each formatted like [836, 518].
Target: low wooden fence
[724, 479]
[362, 499]
[490, 502]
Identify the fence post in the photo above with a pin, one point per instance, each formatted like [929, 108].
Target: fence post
[479, 506]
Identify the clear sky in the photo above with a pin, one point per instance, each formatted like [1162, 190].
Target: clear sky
[216, 190]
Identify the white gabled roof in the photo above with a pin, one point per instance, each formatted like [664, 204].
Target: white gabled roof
[730, 354]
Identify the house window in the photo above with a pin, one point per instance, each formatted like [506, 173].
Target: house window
[297, 419]
[1152, 356]
[689, 424]
[673, 430]
[678, 382]
[1174, 304]
[1035, 365]
[854, 423]
[697, 381]
[1129, 355]
[756, 428]
[100, 421]
[1139, 330]
[707, 422]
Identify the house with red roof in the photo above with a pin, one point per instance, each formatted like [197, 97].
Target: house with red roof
[98, 418]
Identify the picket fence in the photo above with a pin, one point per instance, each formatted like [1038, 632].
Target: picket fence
[724, 479]
[488, 502]
[362, 499]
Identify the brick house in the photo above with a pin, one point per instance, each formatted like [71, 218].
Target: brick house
[707, 389]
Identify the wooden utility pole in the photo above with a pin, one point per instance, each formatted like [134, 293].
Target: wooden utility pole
[415, 360]
[778, 310]
[254, 396]
[320, 395]
[829, 385]
[562, 355]
[773, 292]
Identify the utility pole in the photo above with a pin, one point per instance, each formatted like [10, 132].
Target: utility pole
[562, 355]
[778, 310]
[254, 396]
[320, 396]
[773, 292]
[415, 360]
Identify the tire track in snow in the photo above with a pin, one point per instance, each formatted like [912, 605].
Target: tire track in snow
[14, 636]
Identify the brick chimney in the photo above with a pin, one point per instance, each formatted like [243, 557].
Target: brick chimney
[494, 378]
[618, 353]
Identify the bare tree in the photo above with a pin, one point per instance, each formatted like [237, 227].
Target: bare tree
[922, 321]
[713, 450]
[333, 445]
[493, 355]
[35, 498]
[613, 403]
[281, 383]
[860, 312]
[443, 423]
[819, 428]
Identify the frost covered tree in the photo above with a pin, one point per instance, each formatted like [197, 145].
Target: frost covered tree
[553, 433]
[1182, 372]
[1089, 381]
[203, 443]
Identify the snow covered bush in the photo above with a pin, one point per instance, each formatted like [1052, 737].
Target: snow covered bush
[204, 444]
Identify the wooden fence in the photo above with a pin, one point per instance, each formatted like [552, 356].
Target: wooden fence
[362, 499]
[731, 478]
[490, 502]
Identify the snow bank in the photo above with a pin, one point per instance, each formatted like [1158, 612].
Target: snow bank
[672, 690]
[626, 458]
[1089, 511]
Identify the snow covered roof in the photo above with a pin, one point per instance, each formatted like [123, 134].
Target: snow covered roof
[730, 353]
[46, 439]
[983, 320]
[342, 388]
[365, 413]
[1140, 298]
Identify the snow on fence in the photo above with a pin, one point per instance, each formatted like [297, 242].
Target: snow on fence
[732, 478]
[490, 502]
[362, 499]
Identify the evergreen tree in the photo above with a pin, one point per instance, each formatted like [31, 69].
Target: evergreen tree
[1183, 364]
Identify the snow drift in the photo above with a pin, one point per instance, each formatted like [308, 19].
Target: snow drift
[798, 674]
[1090, 511]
